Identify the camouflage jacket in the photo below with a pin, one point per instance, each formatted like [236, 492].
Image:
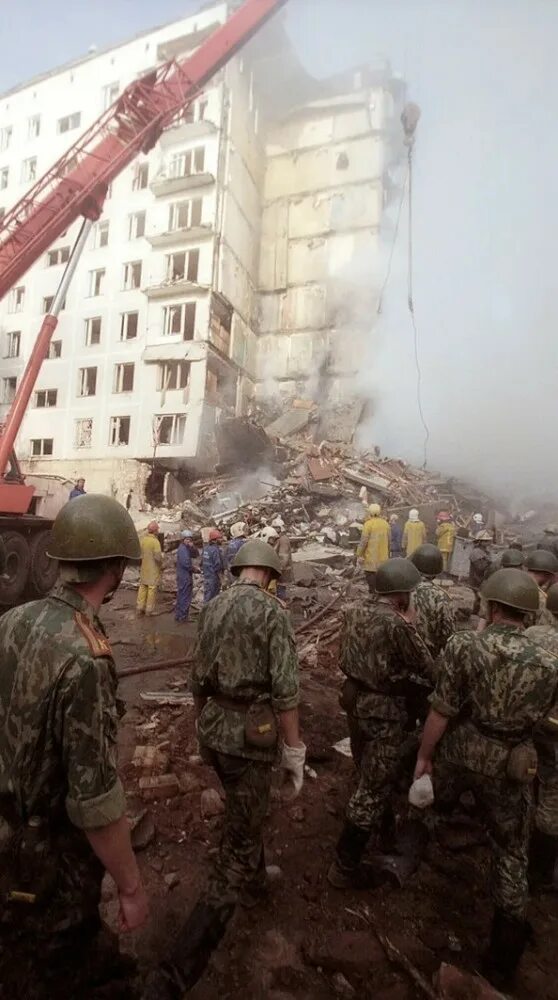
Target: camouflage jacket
[497, 685]
[245, 652]
[542, 616]
[435, 618]
[382, 652]
[545, 635]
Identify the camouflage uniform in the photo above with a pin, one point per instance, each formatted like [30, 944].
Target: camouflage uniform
[435, 618]
[381, 654]
[546, 813]
[542, 616]
[58, 722]
[507, 684]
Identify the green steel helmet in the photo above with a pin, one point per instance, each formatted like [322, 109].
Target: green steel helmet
[94, 527]
[542, 561]
[552, 599]
[256, 552]
[512, 587]
[512, 559]
[428, 560]
[397, 576]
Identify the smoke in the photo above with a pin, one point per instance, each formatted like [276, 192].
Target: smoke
[485, 233]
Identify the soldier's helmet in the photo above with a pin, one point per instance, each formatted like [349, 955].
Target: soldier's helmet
[542, 561]
[256, 552]
[512, 587]
[428, 560]
[94, 527]
[397, 576]
[512, 559]
[552, 599]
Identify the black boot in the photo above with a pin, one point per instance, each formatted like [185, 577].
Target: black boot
[196, 942]
[343, 873]
[508, 939]
[543, 853]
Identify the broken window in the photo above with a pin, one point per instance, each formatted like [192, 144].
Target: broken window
[170, 429]
[41, 446]
[46, 397]
[16, 299]
[141, 177]
[123, 378]
[173, 375]
[119, 430]
[136, 225]
[220, 387]
[4, 177]
[9, 386]
[13, 344]
[83, 432]
[5, 137]
[132, 275]
[29, 170]
[101, 236]
[220, 320]
[195, 112]
[110, 93]
[96, 281]
[129, 325]
[187, 163]
[184, 214]
[93, 331]
[47, 304]
[55, 349]
[59, 256]
[33, 127]
[87, 381]
[180, 319]
[69, 122]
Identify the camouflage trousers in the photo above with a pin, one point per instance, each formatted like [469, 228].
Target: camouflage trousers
[546, 812]
[378, 761]
[240, 862]
[506, 808]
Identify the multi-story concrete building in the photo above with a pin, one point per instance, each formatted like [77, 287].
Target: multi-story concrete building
[219, 260]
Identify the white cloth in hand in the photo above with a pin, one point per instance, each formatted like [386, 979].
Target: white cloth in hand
[292, 764]
[421, 792]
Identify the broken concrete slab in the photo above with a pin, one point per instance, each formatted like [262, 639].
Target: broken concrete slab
[288, 423]
[313, 552]
[303, 574]
[372, 480]
[151, 760]
[319, 469]
[211, 803]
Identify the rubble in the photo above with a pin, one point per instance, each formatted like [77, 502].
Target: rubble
[211, 803]
[160, 786]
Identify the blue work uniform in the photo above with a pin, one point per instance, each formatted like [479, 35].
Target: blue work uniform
[212, 567]
[76, 492]
[396, 540]
[184, 584]
[232, 548]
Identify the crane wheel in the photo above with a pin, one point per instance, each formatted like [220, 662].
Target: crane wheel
[43, 571]
[18, 562]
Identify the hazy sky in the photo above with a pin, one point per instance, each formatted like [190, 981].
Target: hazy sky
[485, 74]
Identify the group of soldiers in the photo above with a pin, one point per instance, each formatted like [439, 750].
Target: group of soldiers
[468, 710]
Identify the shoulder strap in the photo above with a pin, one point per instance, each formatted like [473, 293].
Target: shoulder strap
[97, 642]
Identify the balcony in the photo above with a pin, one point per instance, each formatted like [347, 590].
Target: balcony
[175, 237]
[170, 288]
[173, 350]
[185, 131]
[186, 182]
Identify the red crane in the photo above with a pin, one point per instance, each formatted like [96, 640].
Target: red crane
[76, 186]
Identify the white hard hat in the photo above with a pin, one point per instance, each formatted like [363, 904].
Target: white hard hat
[478, 518]
[413, 514]
[278, 522]
[268, 534]
[238, 529]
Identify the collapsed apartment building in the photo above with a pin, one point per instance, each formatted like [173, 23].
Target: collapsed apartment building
[219, 272]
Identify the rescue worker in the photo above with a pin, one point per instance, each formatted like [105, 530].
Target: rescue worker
[239, 530]
[150, 571]
[395, 538]
[480, 566]
[283, 549]
[435, 620]
[246, 690]
[62, 806]
[380, 657]
[494, 689]
[414, 533]
[542, 567]
[213, 565]
[476, 526]
[78, 490]
[373, 548]
[445, 536]
[185, 554]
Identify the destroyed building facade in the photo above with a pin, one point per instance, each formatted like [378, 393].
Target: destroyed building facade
[218, 270]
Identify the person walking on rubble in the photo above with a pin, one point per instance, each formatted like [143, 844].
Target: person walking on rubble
[62, 806]
[414, 533]
[435, 619]
[246, 689]
[239, 531]
[373, 548]
[185, 555]
[384, 664]
[445, 536]
[150, 570]
[494, 691]
[213, 565]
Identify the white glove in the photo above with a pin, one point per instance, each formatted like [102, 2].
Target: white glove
[421, 792]
[292, 763]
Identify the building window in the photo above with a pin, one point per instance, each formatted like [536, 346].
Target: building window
[83, 432]
[184, 264]
[170, 429]
[34, 127]
[129, 326]
[123, 378]
[59, 256]
[87, 381]
[69, 122]
[5, 137]
[29, 170]
[41, 446]
[4, 177]
[141, 177]
[46, 397]
[136, 225]
[110, 93]
[13, 344]
[184, 214]
[132, 275]
[195, 112]
[96, 281]
[187, 163]
[119, 430]
[180, 319]
[9, 386]
[173, 375]
[55, 349]
[101, 235]
[92, 331]
[16, 299]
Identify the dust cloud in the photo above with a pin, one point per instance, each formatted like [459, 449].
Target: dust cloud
[485, 75]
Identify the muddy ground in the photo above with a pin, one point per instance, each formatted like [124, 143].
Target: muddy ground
[307, 941]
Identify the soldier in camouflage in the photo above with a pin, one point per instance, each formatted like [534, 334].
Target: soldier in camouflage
[384, 664]
[542, 567]
[497, 688]
[62, 805]
[435, 620]
[245, 685]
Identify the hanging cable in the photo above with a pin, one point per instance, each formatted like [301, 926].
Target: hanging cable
[392, 248]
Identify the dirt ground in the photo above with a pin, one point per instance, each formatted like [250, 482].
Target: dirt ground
[308, 941]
